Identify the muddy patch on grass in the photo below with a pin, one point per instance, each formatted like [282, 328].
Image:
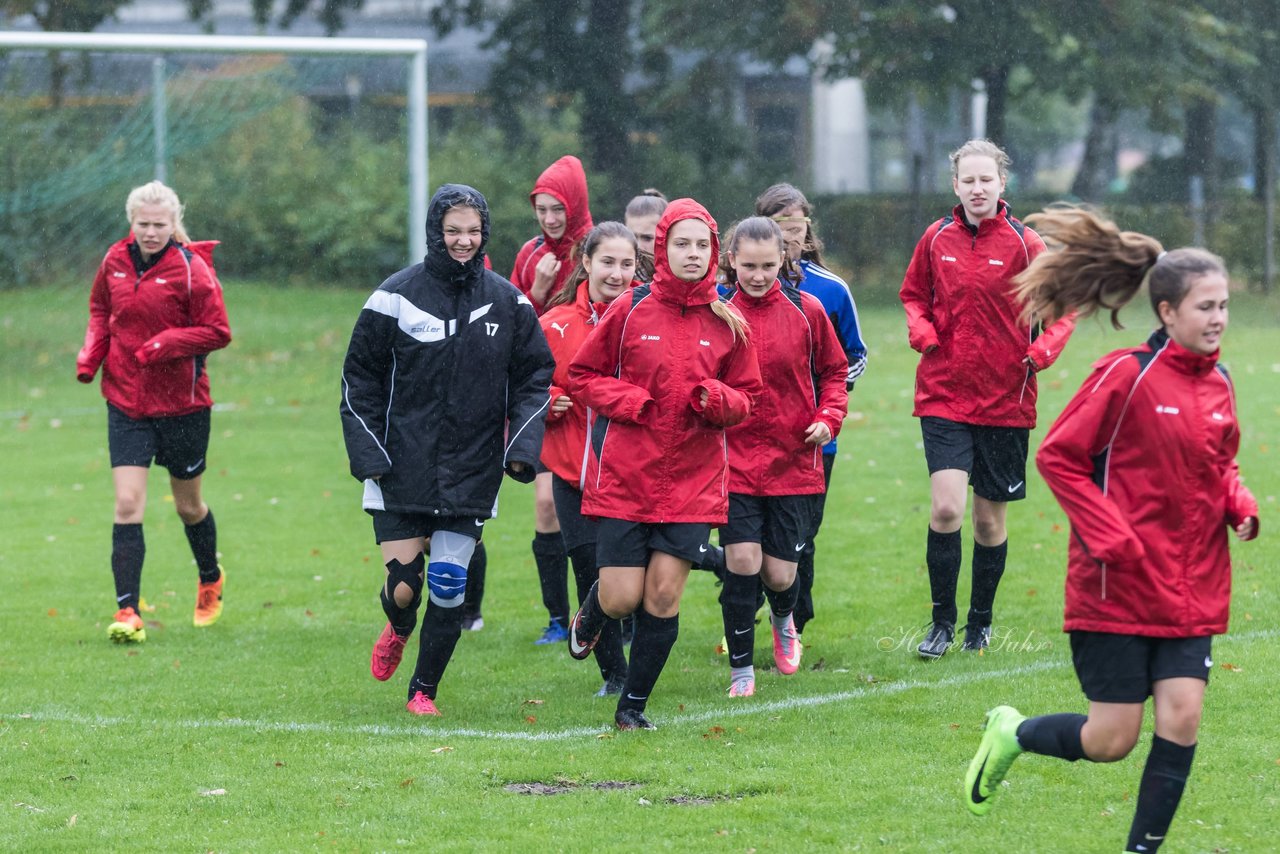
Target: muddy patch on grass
[560, 787]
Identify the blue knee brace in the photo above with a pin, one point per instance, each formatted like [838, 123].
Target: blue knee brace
[447, 571]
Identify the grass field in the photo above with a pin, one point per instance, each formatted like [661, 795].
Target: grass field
[266, 732]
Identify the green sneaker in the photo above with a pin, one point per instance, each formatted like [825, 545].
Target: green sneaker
[995, 754]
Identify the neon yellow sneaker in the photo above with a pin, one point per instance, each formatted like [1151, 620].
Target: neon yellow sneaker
[209, 601]
[995, 754]
[127, 627]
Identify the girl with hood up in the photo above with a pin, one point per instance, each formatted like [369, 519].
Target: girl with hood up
[444, 388]
[668, 368]
[543, 265]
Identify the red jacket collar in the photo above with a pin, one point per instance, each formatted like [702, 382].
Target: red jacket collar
[775, 288]
[1002, 213]
[1182, 359]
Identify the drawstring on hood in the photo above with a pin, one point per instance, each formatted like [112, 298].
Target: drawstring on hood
[438, 262]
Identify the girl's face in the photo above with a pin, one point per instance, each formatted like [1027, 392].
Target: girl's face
[644, 228]
[551, 215]
[795, 230]
[152, 226]
[689, 249]
[463, 231]
[1198, 322]
[611, 269]
[756, 262]
[978, 185]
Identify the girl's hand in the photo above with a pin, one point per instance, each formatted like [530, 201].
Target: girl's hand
[517, 467]
[544, 278]
[817, 434]
[1248, 529]
[561, 404]
[703, 399]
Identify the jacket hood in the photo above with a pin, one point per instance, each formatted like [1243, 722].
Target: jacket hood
[567, 181]
[438, 261]
[665, 283]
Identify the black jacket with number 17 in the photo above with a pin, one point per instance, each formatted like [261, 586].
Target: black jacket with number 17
[445, 381]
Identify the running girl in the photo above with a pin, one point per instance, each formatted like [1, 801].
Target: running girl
[443, 388]
[775, 459]
[976, 382]
[1142, 461]
[667, 370]
[606, 268]
[155, 313]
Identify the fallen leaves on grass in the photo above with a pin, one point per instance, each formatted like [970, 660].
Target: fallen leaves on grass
[53, 612]
[533, 702]
[441, 749]
[71, 822]
[714, 732]
[530, 719]
[406, 783]
[212, 793]
[1231, 667]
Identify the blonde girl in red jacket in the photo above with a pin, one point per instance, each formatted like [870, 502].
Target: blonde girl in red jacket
[668, 368]
[1142, 461]
[976, 383]
[155, 313]
[606, 268]
[776, 475]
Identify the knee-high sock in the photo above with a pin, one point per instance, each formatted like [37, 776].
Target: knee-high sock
[1159, 793]
[441, 628]
[553, 571]
[203, 539]
[403, 619]
[649, 650]
[988, 567]
[610, 657]
[1053, 735]
[783, 602]
[738, 607]
[128, 548]
[942, 555]
[476, 570]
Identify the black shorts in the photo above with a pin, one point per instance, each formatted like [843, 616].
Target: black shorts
[994, 457]
[1122, 668]
[390, 525]
[576, 529]
[781, 524]
[178, 443]
[622, 543]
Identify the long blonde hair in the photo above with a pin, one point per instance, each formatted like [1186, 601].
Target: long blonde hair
[737, 323]
[157, 193]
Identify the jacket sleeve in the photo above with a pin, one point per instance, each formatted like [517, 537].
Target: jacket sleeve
[209, 329]
[97, 337]
[364, 395]
[592, 372]
[917, 296]
[1065, 460]
[730, 398]
[1240, 501]
[848, 330]
[832, 368]
[528, 385]
[1047, 347]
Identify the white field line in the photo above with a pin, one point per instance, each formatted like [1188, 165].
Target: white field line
[869, 691]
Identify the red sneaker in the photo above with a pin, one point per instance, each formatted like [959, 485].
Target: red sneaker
[386, 654]
[421, 704]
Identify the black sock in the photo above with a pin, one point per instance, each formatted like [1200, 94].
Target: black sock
[476, 569]
[553, 574]
[403, 620]
[988, 567]
[203, 538]
[649, 650]
[1053, 735]
[942, 555]
[782, 602]
[441, 628]
[738, 607]
[610, 657]
[1163, 779]
[128, 549]
[803, 610]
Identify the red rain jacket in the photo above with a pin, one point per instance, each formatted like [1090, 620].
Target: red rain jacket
[803, 367]
[151, 333]
[958, 296]
[656, 454]
[1142, 461]
[567, 181]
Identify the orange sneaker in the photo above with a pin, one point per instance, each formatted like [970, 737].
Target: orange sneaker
[127, 627]
[421, 704]
[209, 602]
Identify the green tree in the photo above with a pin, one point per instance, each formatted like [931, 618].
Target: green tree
[62, 16]
[331, 13]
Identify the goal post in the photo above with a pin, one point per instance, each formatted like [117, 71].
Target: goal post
[415, 50]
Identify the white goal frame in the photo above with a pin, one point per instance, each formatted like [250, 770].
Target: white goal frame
[413, 49]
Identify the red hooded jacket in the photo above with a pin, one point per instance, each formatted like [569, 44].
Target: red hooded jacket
[566, 326]
[656, 453]
[1142, 461]
[958, 296]
[566, 181]
[150, 333]
[803, 368]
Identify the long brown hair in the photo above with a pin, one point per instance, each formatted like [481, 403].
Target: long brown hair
[1094, 265]
[587, 249]
[778, 198]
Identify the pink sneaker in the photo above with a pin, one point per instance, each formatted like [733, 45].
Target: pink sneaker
[386, 654]
[744, 686]
[421, 704]
[786, 645]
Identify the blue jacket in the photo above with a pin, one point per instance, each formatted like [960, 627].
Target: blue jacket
[836, 298]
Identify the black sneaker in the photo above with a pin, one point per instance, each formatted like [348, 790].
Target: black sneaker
[938, 640]
[976, 638]
[632, 719]
[581, 638]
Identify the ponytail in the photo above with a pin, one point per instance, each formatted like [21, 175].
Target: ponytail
[650, 202]
[730, 315]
